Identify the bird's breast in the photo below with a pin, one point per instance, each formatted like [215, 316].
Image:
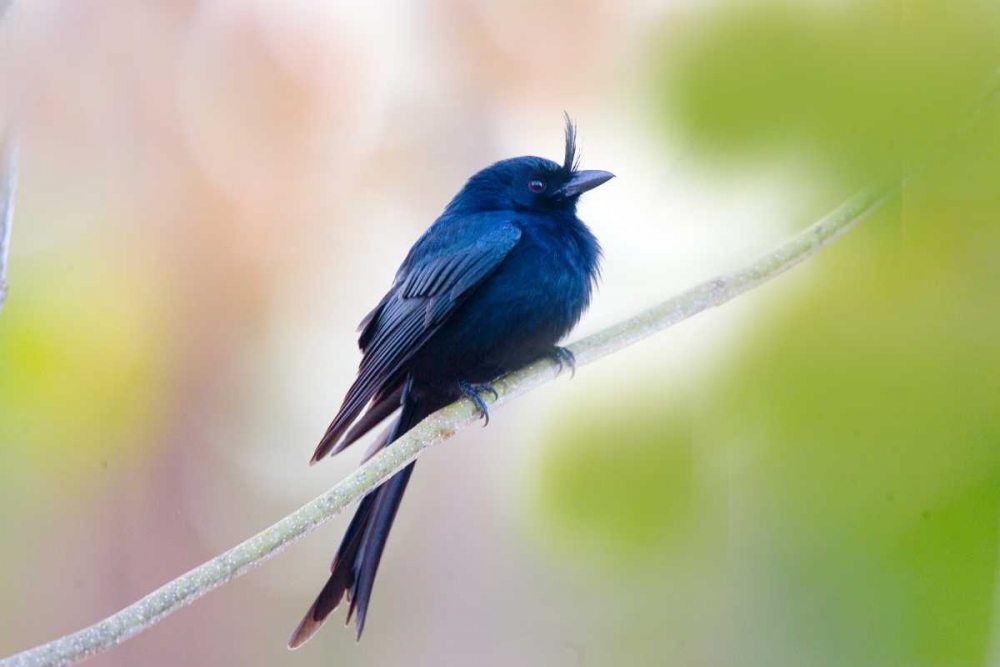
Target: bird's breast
[530, 302]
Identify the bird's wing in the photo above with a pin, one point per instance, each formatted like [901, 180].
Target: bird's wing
[444, 268]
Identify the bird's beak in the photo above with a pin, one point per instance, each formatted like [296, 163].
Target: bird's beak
[583, 181]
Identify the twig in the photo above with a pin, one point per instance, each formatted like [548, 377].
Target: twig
[8, 188]
[438, 427]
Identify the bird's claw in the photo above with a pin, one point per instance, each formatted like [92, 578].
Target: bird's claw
[474, 392]
[565, 357]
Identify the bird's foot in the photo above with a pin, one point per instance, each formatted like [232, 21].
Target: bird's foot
[474, 392]
[564, 357]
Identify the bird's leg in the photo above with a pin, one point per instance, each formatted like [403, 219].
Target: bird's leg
[564, 357]
[474, 392]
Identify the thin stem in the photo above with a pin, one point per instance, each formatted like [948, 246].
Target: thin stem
[438, 427]
[8, 188]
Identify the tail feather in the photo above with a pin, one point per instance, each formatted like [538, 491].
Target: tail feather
[353, 571]
[373, 544]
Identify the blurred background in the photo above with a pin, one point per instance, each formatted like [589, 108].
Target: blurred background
[214, 192]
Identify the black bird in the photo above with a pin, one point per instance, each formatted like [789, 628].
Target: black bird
[493, 284]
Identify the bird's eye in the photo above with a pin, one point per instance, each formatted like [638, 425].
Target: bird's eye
[536, 186]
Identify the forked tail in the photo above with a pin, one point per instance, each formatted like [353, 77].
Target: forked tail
[353, 570]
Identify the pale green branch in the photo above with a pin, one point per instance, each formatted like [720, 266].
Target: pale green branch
[438, 427]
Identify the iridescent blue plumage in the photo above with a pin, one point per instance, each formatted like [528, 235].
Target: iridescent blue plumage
[495, 283]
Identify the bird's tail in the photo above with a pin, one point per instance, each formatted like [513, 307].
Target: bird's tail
[353, 570]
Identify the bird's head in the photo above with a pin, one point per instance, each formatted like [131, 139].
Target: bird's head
[530, 183]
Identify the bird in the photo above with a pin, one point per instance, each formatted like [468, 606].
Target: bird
[495, 283]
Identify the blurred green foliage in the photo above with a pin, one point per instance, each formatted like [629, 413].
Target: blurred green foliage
[79, 370]
[864, 87]
[863, 403]
[870, 404]
[628, 491]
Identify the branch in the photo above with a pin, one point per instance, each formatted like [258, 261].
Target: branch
[8, 187]
[438, 427]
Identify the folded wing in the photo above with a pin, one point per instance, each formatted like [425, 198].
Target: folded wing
[446, 265]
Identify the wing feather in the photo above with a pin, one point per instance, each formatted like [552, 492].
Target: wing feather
[428, 288]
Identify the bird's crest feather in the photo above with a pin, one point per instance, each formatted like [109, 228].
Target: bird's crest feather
[571, 161]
